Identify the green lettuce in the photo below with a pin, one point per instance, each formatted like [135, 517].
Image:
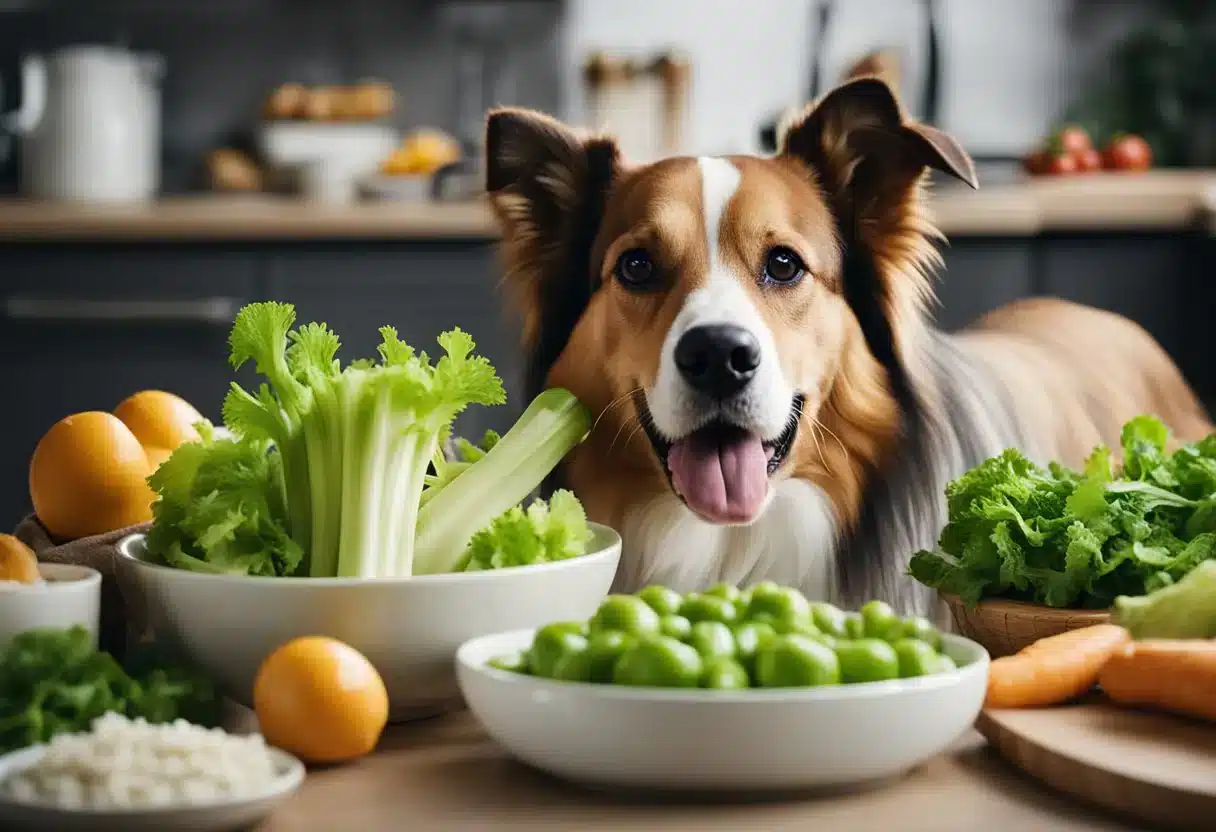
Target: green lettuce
[1068, 538]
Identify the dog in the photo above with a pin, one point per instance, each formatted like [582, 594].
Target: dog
[754, 337]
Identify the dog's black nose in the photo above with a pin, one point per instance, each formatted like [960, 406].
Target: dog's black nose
[718, 359]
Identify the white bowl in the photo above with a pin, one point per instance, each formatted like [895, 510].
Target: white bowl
[721, 741]
[219, 816]
[69, 596]
[409, 628]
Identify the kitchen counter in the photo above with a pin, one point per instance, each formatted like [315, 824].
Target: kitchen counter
[243, 218]
[1157, 201]
[445, 774]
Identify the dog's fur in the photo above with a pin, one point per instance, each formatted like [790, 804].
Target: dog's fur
[893, 409]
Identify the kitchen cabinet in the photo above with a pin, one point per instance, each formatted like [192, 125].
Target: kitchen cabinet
[421, 289]
[979, 275]
[84, 327]
[1144, 277]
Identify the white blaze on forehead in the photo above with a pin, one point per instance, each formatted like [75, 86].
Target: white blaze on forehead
[764, 406]
[719, 181]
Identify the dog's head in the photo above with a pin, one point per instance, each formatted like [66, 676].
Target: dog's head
[721, 304]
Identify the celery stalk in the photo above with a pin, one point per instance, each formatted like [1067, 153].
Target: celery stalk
[553, 424]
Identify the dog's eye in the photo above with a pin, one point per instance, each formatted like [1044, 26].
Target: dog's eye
[783, 266]
[634, 268]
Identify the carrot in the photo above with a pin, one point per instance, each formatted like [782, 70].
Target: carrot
[1054, 669]
[1169, 674]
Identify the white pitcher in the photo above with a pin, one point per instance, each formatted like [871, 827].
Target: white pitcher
[89, 125]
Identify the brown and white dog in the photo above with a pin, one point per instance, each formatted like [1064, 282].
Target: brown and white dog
[772, 399]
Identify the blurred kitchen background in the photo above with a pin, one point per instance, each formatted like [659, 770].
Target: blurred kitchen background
[163, 162]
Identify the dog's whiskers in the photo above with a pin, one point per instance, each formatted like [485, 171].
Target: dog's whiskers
[815, 437]
[617, 402]
[832, 434]
[636, 428]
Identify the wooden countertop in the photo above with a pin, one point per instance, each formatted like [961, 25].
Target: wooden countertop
[444, 774]
[244, 218]
[1160, 200]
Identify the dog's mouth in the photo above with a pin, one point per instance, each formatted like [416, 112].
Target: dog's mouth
[721, 470]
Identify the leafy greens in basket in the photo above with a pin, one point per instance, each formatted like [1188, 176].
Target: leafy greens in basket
[341, 471]
[1071, 539]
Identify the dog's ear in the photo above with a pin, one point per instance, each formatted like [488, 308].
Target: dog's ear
[866, 155]
[547, 185]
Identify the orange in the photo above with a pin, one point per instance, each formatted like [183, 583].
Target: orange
[17, 561]
[89, 475]
[321, 700]
[159, 419]
[156, 456]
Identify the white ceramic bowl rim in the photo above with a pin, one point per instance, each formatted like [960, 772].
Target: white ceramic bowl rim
[475, 654]
[60, 577]
[290, 774]
[605, 543]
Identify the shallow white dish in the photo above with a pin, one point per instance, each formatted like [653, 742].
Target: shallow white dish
[222, 816]
[721, 741]
[397, 188]
[409, 628]
[361, 147]
[69, 596]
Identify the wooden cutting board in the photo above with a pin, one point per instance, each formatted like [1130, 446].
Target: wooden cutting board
[1154, 767]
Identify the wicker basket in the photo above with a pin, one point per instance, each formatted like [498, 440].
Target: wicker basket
[1005, 627]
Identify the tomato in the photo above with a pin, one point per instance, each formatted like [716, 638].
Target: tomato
[1072, 140]
[1128, 152]
[1036, 163]
[1088, 160]
[1062, 165]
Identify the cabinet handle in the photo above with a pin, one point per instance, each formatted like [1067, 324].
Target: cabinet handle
[216, 311]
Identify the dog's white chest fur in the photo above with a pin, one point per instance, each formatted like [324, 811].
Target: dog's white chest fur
[793, 543]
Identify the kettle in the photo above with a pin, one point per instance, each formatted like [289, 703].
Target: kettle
[89, 125]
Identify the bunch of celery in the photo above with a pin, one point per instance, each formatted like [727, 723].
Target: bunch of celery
[358, 480]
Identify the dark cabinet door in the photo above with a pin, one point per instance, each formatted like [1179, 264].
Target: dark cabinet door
[1144, 278]
[421, 289]
[981, 274]
[83, 328]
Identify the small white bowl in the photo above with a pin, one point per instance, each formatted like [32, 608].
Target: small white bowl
[69, 596]
[409, 628]
[747, 741]
[220, 816]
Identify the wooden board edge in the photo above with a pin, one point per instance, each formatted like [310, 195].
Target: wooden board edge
[1110, 790]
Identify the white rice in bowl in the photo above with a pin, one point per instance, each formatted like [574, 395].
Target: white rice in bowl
[125, 764]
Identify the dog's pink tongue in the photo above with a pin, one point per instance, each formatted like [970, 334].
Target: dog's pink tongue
[723, 481]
